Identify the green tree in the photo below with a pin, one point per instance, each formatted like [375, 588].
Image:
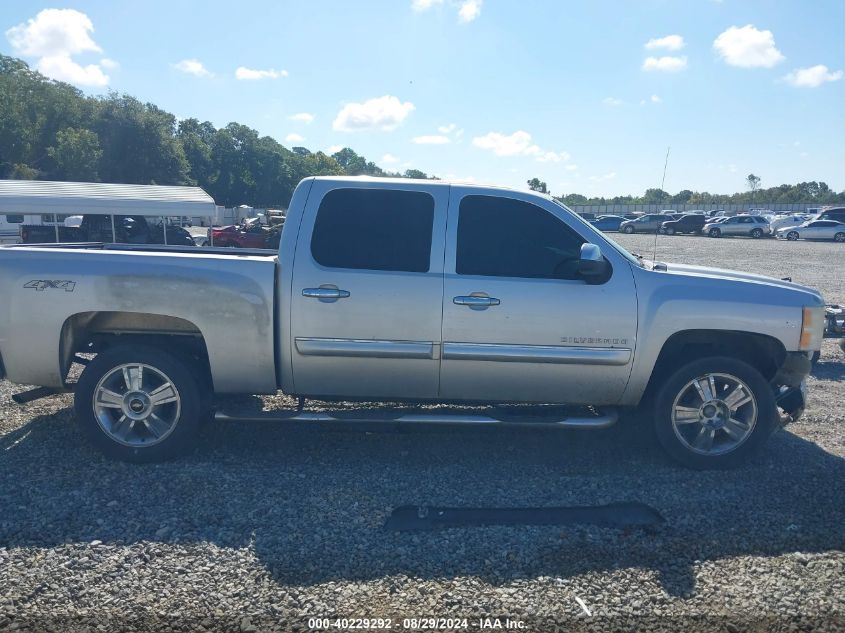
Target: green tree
[535, 184]
[76, 154]
[753, 184]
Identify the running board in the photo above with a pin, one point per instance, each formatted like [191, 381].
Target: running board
[398, 418]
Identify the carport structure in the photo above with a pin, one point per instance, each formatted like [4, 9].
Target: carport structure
[39, 197]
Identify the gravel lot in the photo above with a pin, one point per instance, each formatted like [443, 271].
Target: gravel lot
[262, 528]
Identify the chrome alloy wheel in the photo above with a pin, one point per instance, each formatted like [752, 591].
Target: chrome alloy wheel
[137, 405]
[714, 414]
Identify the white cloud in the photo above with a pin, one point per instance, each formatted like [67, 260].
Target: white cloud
[670, 43]
[431, 139]
[447, 129]
[812, 77]
[748, 47]
[666, 64]
[302, 117]
[604, 177]
[381, 113]
[612, 101]
[424, 5]
[333, 149]
[108, 64]
[192, 67]
[656, 99]
[469, 10]
[570, 167]
[53, 36]
[293, 137]
[253, 74]
[517, 144]
[390, 159]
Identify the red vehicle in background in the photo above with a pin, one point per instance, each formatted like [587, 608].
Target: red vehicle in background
[248, 234]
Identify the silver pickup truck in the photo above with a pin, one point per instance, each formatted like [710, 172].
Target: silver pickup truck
[496, 302]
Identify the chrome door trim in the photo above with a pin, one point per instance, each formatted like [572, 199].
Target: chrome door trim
[537, 354]
[364, 348]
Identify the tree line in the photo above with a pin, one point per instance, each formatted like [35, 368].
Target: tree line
[50, 130]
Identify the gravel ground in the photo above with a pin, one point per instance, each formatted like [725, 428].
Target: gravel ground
[262, 527]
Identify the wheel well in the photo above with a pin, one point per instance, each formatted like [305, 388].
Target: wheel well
[94, 332]
[762, 352]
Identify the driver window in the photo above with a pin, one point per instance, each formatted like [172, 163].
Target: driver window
[502, 237]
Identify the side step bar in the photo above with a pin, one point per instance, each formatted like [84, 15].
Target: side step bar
[399, 418]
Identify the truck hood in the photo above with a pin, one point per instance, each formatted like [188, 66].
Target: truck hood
[735, 275]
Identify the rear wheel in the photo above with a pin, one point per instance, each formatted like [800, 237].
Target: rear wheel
[714, 413]
[139, 404]
[792, 236]
[669, 230]
[757, 233]
[714, 232]
[839, 237]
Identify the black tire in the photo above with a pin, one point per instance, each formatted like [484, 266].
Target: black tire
[714, 232]
[839, 237]
[669, 230]
[792, 236]
[193, 407]
[757, 233]
[628, 229]
[815, 358]
[767, 418]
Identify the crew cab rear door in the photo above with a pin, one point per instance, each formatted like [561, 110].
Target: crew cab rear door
[519, 323]
[367, 290]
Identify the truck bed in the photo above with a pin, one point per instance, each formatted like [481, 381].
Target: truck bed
[56, 294]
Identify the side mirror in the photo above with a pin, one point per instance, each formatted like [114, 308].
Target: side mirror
[592, 265]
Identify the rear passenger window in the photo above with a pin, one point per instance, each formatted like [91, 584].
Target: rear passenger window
[501, 237]
[374, 229]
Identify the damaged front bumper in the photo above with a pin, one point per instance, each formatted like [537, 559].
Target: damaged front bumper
[790, 384]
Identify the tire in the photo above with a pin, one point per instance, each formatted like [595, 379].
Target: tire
[669, 230]
[714, 232]
[839, 237]
[815, 358]
[628, 229]
[136, 429]
[733, 434]
[792, 236]
[757, 233]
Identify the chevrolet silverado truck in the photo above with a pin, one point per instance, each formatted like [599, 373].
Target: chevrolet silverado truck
[459, 304]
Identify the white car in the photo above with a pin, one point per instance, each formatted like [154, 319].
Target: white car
[815, 230]
[787, 221]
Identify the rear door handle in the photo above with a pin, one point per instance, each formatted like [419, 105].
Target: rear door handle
[325, 293]
[475, 302]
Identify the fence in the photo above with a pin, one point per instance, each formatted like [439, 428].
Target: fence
[622, 209]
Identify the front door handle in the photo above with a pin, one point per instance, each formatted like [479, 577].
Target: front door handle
[474, 301]
[325, 293]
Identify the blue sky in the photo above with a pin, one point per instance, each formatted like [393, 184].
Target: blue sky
[584, 95]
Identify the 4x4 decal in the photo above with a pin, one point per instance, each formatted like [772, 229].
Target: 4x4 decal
[54, 284]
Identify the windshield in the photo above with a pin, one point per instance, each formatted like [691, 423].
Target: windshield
[603, 236]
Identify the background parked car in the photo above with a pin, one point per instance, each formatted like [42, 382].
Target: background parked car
[248, 234]
[836, 213]
[779, 222]
[128, 229]
[749, 225]
[689, 223]
[649, 223]
[815, 230]
[608, 222]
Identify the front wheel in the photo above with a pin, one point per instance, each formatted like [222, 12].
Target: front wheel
[792, 236]
[714, 232]
[839, 237]
[714, 413]
[628, 229]
[669, 230]
[138, 404]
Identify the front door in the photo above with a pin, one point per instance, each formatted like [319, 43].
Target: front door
[519, 324]
[367, 290]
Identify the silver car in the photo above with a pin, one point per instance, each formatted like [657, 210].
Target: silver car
[749, 225]
[649, 223]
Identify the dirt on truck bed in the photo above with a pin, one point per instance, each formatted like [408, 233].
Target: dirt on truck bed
[263, 528]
